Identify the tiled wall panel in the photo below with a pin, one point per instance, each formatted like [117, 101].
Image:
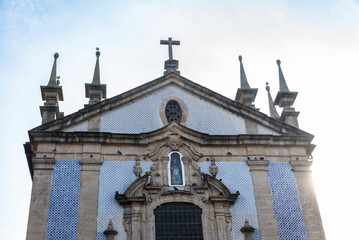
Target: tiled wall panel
[286, 201]
[64, 200]
[114, 176]
[236, 176]
[139, 116]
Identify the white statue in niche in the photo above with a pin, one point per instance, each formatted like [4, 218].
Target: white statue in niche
[175, 170]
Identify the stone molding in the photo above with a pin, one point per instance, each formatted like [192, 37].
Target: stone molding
[43, 163]
[258, 165]
[301, 166]
[144, 139]
[90, 164]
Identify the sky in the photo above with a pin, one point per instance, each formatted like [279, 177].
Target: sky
[316, 41]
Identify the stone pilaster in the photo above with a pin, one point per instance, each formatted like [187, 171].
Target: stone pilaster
[220, 220]
[264, 201]
[40, 198]
[136, 221]
[308, 200]
[186, 169]
[165, 163]
[88, 206]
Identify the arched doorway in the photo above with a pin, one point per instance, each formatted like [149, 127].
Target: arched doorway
[178, 220]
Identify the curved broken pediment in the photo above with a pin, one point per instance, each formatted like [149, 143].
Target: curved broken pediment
[211, 190]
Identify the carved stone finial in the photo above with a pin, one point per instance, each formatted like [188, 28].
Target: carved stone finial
[282, 83]
[272, 110]
[137, 169]
[245, 94]
[95, 91]
[110, 232]
[51, 94]
[247, 230]
[213, 169]
[285, 99]
[244, 82]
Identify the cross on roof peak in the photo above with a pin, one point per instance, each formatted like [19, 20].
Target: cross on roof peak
[171, 65]
[170, 42]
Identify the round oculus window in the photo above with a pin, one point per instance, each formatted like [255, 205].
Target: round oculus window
[173, 111]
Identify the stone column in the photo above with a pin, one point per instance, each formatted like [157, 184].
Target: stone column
[88, 206]
[308, 200]
[264, 201]
[40, 198]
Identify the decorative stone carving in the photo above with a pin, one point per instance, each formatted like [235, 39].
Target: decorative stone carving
[110, 232]
[154, 175]
[174, 141]
[214, 200]
[148, 192]
[196, 177]
[213, 169]
[137, 169]
[247, 230]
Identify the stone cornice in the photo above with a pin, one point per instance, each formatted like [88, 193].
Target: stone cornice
[146, 138]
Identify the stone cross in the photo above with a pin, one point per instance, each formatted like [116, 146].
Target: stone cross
[169, 42]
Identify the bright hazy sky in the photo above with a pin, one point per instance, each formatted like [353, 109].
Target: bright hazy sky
[317, 42]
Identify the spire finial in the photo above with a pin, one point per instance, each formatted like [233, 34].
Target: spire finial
[96, 74]
[285, 99]
[282, 83]
[245, 94]
[95, 90]
[244, 82]
[52, 80]
[51, 94]
[272, 110]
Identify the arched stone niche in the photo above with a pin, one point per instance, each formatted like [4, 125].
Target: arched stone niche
[148, 192]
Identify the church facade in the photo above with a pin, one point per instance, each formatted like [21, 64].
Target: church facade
[171, 159]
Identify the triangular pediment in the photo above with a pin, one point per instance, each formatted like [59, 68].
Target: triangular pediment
[141, 110]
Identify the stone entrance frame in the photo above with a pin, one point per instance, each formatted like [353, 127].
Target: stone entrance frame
[148, 192]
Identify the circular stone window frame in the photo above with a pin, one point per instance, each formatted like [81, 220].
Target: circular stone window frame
[182, 105]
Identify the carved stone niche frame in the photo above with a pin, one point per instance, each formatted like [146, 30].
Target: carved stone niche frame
[148, 192]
